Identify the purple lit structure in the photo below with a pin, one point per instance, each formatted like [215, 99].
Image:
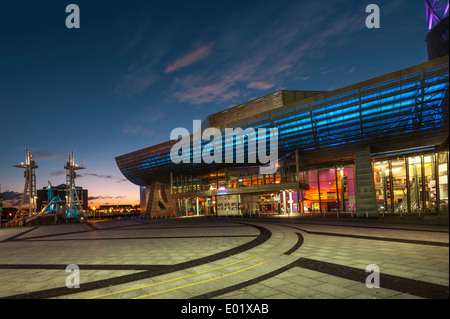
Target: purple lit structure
[437, 28]
[436, 11]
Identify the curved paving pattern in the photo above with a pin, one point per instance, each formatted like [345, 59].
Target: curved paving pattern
[224, 258]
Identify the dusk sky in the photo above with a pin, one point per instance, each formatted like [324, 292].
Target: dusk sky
[135, 70]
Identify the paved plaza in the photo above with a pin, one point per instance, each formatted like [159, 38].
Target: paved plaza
[225, 258]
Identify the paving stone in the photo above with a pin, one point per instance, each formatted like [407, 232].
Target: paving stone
[168, 247]
[335, 290]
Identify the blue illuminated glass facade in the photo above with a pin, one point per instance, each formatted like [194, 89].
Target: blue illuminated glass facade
[397, 111]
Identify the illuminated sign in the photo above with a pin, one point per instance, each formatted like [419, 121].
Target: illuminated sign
[222, 191]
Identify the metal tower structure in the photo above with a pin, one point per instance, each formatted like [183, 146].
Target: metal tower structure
[437, 28]
[29, 191]
[73, 204]
[52, 200]
[436, 11]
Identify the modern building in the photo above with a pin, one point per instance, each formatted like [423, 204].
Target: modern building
[375, 147]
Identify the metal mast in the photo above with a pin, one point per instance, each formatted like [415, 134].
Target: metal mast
[29, 191]
[436, 11]
[73, 204]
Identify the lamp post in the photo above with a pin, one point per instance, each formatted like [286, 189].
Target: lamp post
[93, 208]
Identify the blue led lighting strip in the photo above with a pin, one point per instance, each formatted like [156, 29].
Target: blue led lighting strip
[410, 102]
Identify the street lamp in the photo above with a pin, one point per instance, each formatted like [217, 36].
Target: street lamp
[93, 208]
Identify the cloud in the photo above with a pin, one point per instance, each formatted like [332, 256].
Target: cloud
[224, 85]
[11, 198]
[138, 129]
[98, 175]
[200, 53]
[104, 176]
[11, 195]
[59, 173]
[105, 197]
[136, 38]
[260, 85]
[270, 55]
[196, 90]
[137, 79]
[138, 124]
[47, 155]
[143, 71]
[150, 115]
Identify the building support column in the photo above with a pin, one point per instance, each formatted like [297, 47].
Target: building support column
[227, 186]
[422, 171]
[318, 188]
[366, 201]
[344, 208]
[408, 188]
[297, 178]
[290, 203]
[299, 205]
[383, 181]
[391, 186]
[448, 175]
[337, 190]
[436, 173]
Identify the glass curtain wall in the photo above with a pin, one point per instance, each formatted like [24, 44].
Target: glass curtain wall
[399, 189]
[311, 200]
[404, 185]
[330, 190]
[443, 169]
[414, 184]
[429, 185]
[329, 202]
[346, 189]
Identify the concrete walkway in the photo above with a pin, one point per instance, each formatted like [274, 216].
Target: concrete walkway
[225, 258]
